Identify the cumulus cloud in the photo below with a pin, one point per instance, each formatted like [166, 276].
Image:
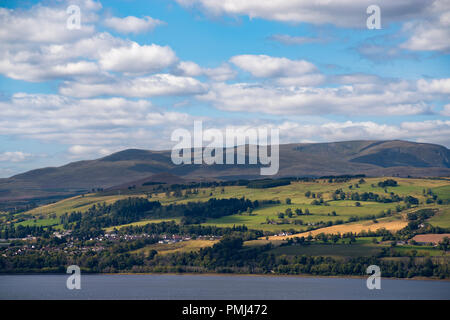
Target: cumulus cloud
[446, 110]
[88, 126]
[14, 156]
[222, 73]
[264, 66]
[427, 22]
[431, 33]
[430, 131]
[285, 72]
[37, 46]
[79, 150]
[434, 86]
[135, 58]
[397, 98]
[44, 25]
[132, 24]
[345, 13]
[154, 85]
[34, 42]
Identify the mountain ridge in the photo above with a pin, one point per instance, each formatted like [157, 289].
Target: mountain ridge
[370, 157]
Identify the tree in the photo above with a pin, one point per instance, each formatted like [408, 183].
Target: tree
[289, 212]
[444, 244]
[335, 238]
[288, 200]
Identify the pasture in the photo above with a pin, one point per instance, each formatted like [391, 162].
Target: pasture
[267, 217]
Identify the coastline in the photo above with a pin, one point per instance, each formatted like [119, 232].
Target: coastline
[274, 275]
[209, 274]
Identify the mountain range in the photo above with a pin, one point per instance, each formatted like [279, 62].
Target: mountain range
[135, 166]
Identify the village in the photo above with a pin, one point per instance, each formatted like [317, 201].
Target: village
[65, 242]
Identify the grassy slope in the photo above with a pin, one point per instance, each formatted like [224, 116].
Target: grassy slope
[295, 192]
[183, 246]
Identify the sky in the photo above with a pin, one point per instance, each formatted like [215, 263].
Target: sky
[134, 71]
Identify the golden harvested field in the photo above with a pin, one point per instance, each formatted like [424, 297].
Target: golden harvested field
[431, 238]
[183, 246]
[391, 225]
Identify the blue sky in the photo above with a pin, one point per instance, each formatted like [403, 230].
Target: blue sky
[137, 70]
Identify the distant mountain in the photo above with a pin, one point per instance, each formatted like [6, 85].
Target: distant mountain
[373, 158]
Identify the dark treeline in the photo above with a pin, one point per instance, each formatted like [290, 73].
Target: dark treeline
[246, 182]
[171, 227]
[120, 212]
[268, 183]
[339, 194]
[342, 178]
[230, 256]
[10, 231]
[135, 209]
[227, 256]
[387, 183]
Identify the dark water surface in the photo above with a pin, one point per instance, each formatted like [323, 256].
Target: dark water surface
[187, 287]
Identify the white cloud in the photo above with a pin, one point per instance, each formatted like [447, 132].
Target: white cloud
[137, 59]
[37, 46]
[431, 33]
[431, 131]
[434, 86]
[285, 72]
[78, 150]
[446, 110]
[43, 25]
[142, 87]
[427, 27]
[30, 72]
[132, 24]
[103, 123]
[397, 98]
[344, 13]
[36, 42]
[306, 80]
[268, 67]
[14, 156]
[191, 69]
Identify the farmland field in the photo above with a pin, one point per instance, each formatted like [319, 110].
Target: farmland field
[259, 218]
[329, 250]
[182, 246]
[282, 216]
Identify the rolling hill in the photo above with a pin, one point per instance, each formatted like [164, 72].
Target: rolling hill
[133, 166]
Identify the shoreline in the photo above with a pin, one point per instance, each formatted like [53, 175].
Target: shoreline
[209, 274]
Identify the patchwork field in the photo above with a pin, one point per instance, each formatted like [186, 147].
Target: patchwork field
[267, 217]
[183, 246]
[78, 203]
[390, 224]
[342, 216]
